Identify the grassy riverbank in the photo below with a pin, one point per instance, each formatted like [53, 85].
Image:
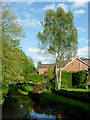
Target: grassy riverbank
[68, 105]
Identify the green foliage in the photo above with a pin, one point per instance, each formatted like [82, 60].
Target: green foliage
[59, 35]
[36, 78]
[15, 64]
[66, 79]
[28, 88]
[38, 64]
[22, 92]
[78, 78]
[69, 79]
[51, 79]
[12, 56]
[28, 68]
[50, 74]
[84, 86]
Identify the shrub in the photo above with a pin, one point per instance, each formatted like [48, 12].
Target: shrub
[78, 78]
[69, 79]
[85, 86]
[66, 79]
[50, 74]
[22, 92]
[51, 79]
[36, 77]
[38, 88]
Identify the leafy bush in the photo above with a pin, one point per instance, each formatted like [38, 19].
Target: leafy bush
[85, 86]
[28, 88]
[22, 92]
[50, 74]
[78, 78]
[66, 79]
[36, 77]
[38, 88]
[51, 79]
[69, 79]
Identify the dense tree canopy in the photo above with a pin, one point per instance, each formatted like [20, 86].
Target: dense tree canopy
[11, 54]
[14, 60]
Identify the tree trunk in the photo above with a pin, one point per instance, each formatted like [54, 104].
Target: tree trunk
[59, 82]
[56, 68]
[56, 73]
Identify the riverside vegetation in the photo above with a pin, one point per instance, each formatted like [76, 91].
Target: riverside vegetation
[19, 75]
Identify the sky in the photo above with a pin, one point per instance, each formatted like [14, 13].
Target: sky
[29, 15]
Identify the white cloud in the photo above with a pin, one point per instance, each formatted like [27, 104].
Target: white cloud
[87, 41]
[29, 2]
[35, 10]
[42, 58]
[81, 29]
[81, 39]
[83, 52]
[30, 22]
[35, 50]
[46, 59]
[65, 7]
[78, 12]
[78, 3]
[52, 6]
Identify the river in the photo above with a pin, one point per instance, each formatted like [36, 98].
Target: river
[23, 107]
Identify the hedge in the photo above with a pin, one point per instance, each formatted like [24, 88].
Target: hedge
[36, 77]
[69, 79]
[79, 77]
[66, 79]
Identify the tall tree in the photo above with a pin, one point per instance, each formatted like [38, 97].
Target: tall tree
[12, 56]
[38, 64]
[59, 36]
[29, 66]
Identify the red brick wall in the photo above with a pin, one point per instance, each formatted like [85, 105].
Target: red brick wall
[75, 66]
[43, 70]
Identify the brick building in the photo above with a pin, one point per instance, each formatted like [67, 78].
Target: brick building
[43, 68]
[77, 64]
[74, 65]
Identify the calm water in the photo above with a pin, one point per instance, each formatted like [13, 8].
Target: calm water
[22, 107]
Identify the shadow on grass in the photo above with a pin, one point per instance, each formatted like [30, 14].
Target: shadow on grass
[67, 105]
[82, 96]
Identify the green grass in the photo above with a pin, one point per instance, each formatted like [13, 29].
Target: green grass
[78, 90]
[61, 100]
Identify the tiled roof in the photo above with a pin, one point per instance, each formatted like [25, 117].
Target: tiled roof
[46, 65]
[86, 60]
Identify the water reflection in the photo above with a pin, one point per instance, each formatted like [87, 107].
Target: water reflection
[20, 106]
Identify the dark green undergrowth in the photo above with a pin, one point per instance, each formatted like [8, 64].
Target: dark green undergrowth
[64, 103]
[82, 96]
